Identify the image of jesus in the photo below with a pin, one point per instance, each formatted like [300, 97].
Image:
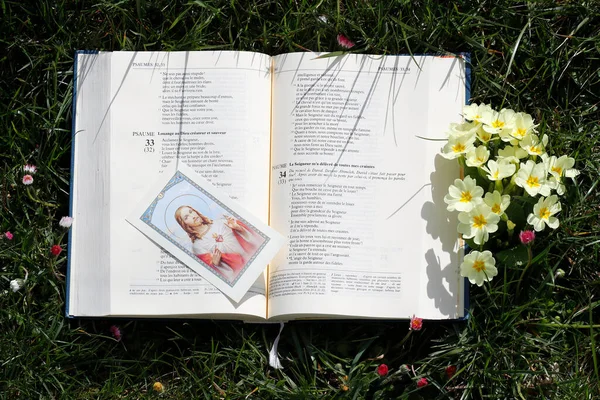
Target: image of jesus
[225, 247]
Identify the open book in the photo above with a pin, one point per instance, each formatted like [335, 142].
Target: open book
[334, 153]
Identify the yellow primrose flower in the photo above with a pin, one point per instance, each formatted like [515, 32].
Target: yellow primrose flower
[543, 213]
[559, 168]
[479, 267]
[478, 157]
[557, 184]
[500, 123]
[478, 223]
[463, 195]
[523, 126]
[511, 154]
[474, 112]
[533, 145]
[562, 166]
[466, 128]
[532, 178]
[483, 135]
[499, 170]
[458, 145]
[497, 202]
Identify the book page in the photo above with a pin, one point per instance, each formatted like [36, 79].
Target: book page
[88, 275]
[211, 111]
[358, 193]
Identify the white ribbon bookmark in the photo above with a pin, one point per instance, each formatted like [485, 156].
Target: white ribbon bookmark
[273, 357]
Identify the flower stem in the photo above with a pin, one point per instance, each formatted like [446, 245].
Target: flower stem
[508, 189]
[461, 162]
[499, 186]
[405, 338]
[40, 201]
[529, 256]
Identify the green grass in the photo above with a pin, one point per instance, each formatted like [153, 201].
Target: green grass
[542, 342]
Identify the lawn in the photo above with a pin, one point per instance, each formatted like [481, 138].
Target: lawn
[531, 334]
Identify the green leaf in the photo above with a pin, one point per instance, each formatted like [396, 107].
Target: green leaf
[517, 215]
[332, 54]
[513, 256]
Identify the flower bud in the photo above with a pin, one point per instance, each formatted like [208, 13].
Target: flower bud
[382, 370]
[510, 225]
[526, 237]
[422, 382]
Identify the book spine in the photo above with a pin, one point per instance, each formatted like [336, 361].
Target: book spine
[467, 58]
[71, 180]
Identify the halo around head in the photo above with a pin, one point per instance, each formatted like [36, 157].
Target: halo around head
[190, 200]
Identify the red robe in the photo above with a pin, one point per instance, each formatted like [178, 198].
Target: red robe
[249, 247]
[235, 261]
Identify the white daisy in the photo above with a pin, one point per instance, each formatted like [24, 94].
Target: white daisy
[30, 169]
[66, 222]
[17, 284]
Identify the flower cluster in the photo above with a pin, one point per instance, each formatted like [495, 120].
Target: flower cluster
[505, 161]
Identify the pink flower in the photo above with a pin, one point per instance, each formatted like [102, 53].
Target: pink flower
[55, 250]
[382, 370]
[345, 42]
[66, 222]
[30, 169]
[450, 371]
[8, 235]
[27, 180]
[422, 382]
[416, 323]
[527, 237]
[116, 332]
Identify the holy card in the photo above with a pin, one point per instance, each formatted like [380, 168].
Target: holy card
[206, 230]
